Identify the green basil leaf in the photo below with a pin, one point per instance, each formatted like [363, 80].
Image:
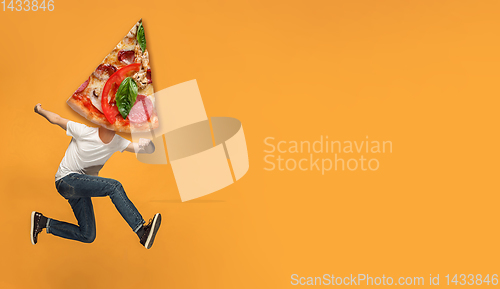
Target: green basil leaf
[126, 95]
[141, 37]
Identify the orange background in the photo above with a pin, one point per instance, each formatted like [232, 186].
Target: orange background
[422, 74]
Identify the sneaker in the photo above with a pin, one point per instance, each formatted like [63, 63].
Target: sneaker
[150, 230]
[36, 227]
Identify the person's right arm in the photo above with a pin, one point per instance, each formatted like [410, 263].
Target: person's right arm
[143, 146]
[51, 117]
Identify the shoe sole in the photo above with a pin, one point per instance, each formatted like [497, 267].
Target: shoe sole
[32, 227]
[152, 234]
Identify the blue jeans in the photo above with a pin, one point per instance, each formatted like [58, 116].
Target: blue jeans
[78, 190]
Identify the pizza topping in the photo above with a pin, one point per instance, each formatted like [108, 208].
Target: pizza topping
[132, 33]
[145, 60]
[141, 79]
[148, 76]
[142, 109]
[83, 86]
[138, 54]
[141, 37]
[95, 98]
[126, 56]
[142, 57]
[104, 71]
[94, 90]
[125, 96]
[115, 80]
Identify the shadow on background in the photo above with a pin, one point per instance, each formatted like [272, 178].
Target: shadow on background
[192, 201]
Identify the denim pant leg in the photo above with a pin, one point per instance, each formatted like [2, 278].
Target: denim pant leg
[76, 186]
[86, 229]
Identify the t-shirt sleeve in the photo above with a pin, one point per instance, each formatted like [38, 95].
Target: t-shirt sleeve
[122, 144]
[75, 129]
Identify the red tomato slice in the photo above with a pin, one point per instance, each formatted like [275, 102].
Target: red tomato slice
[114, 81]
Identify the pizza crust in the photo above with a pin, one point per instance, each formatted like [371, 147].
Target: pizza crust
[83, 111]
[78, 106]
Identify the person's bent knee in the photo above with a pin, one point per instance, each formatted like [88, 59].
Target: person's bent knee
[118, 186]
[89, 237]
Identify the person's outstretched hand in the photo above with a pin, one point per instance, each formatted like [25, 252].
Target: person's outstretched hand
[38, 107]
[144, 143]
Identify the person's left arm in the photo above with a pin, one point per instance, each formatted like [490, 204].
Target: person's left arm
[53, 118]
[145, 146]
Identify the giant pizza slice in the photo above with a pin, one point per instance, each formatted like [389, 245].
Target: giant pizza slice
[119, 94]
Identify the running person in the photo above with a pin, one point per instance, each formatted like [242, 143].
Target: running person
[77, 181]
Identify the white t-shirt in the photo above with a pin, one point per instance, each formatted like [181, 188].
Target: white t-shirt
[86, 153]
